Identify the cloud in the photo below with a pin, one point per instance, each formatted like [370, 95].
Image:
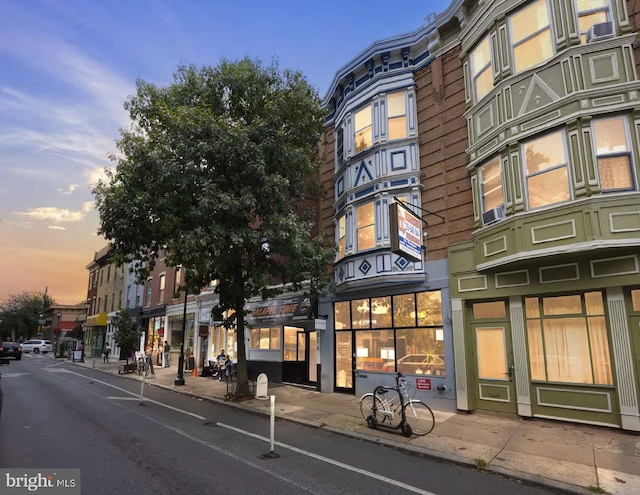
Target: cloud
[56, 227]
[68, 190]
[57, 215]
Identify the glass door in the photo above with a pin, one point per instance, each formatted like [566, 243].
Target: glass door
[344, 362]
[294, 367]
[312, 348]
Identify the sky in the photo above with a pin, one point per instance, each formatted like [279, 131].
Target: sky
[68, 66]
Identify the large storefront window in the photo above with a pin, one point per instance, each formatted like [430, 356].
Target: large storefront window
[396, 333]
[265, 338]
[568, 339]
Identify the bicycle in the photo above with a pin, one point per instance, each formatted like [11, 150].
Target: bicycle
[393, 413]
[145, 365]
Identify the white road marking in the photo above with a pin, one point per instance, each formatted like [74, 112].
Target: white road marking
[137, 396]
[13, 375]
[318, 457]
[332, 461]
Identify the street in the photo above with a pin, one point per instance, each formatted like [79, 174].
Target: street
[55, 416]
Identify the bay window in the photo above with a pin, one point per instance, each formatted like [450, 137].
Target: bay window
[397, 116]
[366, 235]
[613, 156]
[546, 170]
[591, 12]
[567, 338]
[491, 185]
[531, 35]
[363, 128]
[480, 66]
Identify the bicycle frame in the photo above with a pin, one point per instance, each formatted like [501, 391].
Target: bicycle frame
[378, 393]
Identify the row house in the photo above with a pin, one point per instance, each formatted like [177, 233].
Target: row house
[485, 205]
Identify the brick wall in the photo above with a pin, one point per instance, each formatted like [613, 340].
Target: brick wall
[443, 158]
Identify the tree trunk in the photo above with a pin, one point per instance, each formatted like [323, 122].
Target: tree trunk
[243, 391]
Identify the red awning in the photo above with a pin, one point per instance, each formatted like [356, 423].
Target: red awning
[65, 325]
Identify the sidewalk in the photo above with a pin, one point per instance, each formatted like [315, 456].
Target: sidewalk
[577, 458]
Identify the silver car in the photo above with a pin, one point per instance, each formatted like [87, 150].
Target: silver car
[37, 346]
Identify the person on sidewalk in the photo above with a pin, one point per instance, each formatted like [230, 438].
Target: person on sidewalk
[167, 349]
[105, 354]
[220, 360]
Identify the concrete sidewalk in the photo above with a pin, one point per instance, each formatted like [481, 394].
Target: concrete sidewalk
[576, 458]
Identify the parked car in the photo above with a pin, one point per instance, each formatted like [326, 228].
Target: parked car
[37, 346]
[422, 364]
[11, 349]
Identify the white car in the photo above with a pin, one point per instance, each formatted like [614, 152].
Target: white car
[37, 346]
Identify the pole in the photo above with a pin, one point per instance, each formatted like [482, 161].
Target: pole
[93, 367]
[272, 425]
[144, 376]
[180, 378]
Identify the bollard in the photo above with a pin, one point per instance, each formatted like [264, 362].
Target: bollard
[272, 421]
[144, 376]
[93, 367]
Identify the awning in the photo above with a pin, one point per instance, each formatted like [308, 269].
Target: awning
[99, 320]
[64, 325]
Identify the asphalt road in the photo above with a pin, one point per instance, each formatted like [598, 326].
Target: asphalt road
[55, 416]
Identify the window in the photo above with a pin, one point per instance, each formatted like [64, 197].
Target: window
[591, 12]
[265, 338]
[108, 272]
[366, 234]
[480, 66]
[546, 170]
[613, 158]
[161, 292]
[567, 337]
[397, 116]
[363, 129]
[635, 300]
[339, 148]
[396, 333]
[177, 281]
[341, 233]
[531, 35]
[294, 344]
[149, 289]
[106, 302]
[491, 183]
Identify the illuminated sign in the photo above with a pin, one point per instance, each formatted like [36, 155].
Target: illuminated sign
[406, 232]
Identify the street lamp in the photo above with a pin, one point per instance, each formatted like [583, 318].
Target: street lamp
[180, 377]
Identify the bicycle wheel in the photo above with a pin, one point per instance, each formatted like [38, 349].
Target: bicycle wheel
[367, 408]
[420, 417]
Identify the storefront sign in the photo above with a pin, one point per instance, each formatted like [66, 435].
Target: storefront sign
[280, 310]
[405, 232]
[320, 324]
[423, 383]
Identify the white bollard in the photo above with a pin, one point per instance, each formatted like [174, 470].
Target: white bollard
[144, 376]
[272, 425]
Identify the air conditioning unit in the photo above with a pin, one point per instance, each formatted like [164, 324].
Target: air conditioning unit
[493, 215]
[601, 31]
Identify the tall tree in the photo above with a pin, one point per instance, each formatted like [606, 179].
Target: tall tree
[19, 315]
[128, 332]
[221, 169]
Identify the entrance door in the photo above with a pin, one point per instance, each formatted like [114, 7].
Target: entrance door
[295, 368]
[344, 362]
[494, 370]
[312, 349]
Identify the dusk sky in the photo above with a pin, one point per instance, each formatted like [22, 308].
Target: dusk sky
[67, 67]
